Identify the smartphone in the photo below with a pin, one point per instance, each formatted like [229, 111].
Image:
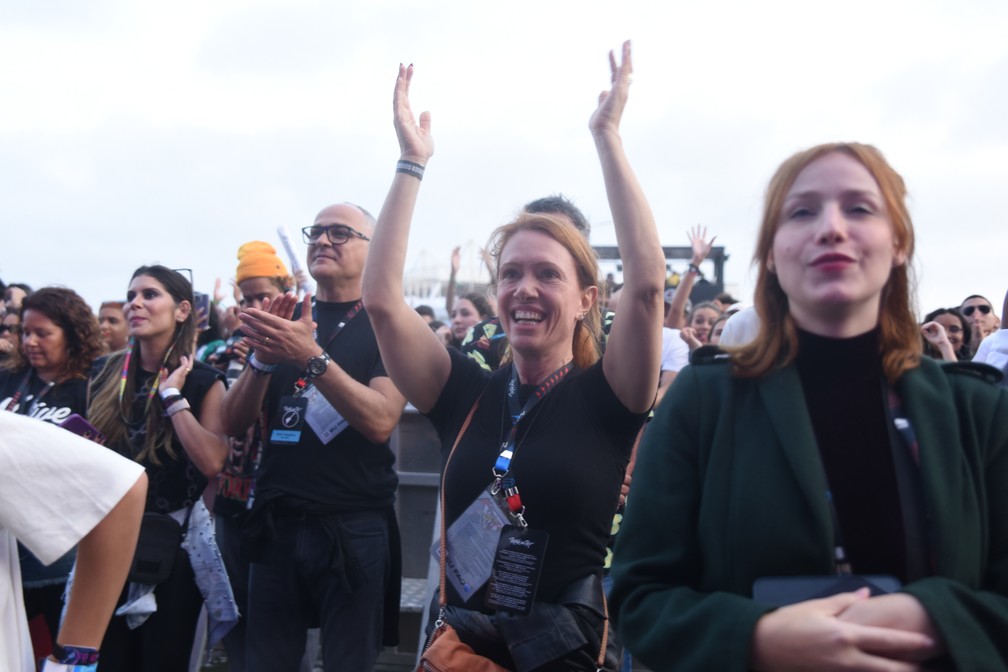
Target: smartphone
[202, 310]
[81, 427]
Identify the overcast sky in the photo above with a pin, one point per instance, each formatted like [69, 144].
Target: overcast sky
[138, 132]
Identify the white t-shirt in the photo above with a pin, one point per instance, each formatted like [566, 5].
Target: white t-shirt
[675, 352]
[993, 350]
[54, 488]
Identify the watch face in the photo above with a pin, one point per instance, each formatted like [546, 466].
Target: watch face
[317, 365]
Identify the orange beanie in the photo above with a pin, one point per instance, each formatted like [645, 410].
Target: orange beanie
[257, 259]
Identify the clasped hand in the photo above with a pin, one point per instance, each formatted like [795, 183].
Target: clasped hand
[847, 631]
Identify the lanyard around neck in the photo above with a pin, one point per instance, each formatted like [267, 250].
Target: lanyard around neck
[125, 376]
[23, 387]
[508, 447]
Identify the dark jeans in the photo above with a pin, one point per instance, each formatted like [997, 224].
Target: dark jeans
[331, 570]
[165, 640]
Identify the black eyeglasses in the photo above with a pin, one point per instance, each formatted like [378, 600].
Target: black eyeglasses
[338, 234]
[12, 328]
[983, 308]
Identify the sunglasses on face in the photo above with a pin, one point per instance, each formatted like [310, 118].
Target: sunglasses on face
[968, 310]
[338, 234]
[12, 328]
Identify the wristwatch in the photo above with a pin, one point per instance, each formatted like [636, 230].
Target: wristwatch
[318, 365]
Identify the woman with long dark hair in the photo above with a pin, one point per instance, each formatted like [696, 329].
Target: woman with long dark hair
[159, 407]
[825, 498]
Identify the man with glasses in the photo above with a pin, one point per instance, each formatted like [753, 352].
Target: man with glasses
[979, 314]
[322, 529]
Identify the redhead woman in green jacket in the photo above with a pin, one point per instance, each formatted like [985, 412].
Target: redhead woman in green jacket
[827, 448]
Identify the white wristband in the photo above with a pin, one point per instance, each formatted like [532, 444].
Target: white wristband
[52, 666]
[177, 407]
[169, 392]
[259, 367]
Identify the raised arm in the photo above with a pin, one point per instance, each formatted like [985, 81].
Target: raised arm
[415, 359]
[456, 261]
[701, 248]
[633, 353]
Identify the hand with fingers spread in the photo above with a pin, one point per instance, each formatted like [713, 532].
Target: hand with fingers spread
[275, 336]
[415, 140]
[606, 118]
[701, 246]
[810, 636]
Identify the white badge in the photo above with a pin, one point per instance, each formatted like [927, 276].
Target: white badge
[472, 544]
[322, 417]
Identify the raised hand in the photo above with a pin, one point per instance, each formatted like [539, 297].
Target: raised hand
[701, 246]
[456, 259]
[415, 140]
[607, 115]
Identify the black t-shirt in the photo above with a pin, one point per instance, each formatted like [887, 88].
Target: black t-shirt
[349, 473]
[175, 482]
[571, 455]
[54, 405]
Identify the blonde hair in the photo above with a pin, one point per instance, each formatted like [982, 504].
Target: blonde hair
[587, 338]
[777, 342]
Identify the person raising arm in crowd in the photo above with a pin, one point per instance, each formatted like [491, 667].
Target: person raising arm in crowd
[581, 413]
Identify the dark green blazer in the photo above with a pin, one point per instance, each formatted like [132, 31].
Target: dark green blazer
[729, 487]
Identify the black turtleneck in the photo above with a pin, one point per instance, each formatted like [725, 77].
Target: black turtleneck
[842, 383]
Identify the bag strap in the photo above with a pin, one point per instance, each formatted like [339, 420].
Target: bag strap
[442, 598]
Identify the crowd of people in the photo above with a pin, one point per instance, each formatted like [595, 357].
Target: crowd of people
[810, 481]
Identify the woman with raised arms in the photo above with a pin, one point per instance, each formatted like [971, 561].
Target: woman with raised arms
[553, 431]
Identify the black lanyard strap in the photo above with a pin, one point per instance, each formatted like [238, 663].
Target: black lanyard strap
[23, 388]
[509, 446]
[302, 382]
